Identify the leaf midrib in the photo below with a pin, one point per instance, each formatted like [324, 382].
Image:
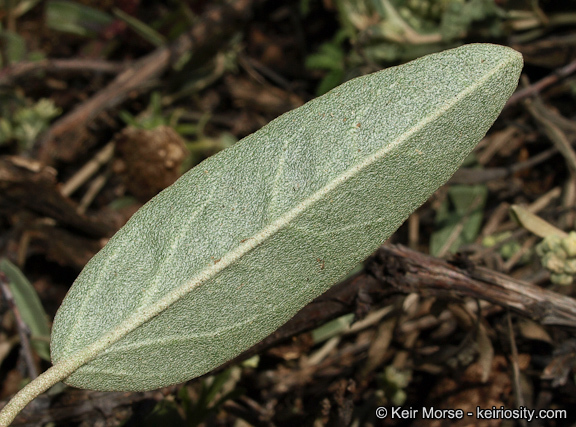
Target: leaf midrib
[145, 314]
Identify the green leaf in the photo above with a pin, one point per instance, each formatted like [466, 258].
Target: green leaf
[534, 223]
[209, 401]
[145, 31]
[14, 47]
[30, 307]
[461, 224]
[332, 328]
[244, 240]
[330, 81]
[75, 18]
[329, 57]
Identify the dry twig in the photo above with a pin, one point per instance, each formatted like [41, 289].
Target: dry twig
[9, 75]
[70, 130]
[542, 84]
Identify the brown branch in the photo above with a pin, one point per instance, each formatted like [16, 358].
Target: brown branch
[398, 269]
[542, 84]
[470, 176]
[71, 128]
[10, 74]
[553, 132]
[27, 185]
[410, 271]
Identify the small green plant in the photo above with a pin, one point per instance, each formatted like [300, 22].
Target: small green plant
[214, 392]
[75, 18]
[387, 31]
[393, 382]
[331, 58]
[243, 241]
[558, 255]
[509, 248]
[152, 117]
[22, 121]
[458, 219]
[13, 46]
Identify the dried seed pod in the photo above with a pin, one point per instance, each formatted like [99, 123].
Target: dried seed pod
[149, 160]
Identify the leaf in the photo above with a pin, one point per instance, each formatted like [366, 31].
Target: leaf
[74, 18]
[462, 224]
[14, 47]
[534, 223]
[30, 307]
[332, 328]
[145, 31]
[239, 244]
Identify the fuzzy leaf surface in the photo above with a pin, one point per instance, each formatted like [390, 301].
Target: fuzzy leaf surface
[240, 243]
